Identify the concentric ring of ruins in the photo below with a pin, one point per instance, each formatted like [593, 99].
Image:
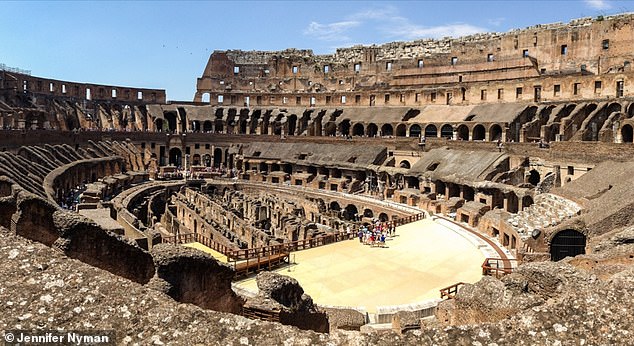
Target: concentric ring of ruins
[472, 190]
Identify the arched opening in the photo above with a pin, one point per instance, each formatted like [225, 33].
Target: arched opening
[171, 119]
[207, 160]
[207, 126]
[350, 212]
[196, 160]
[368, 213]
[512, 204]
[415, 130]
[195, 126]
[439, 187]
[330, 129]
[495, 132]
[567, 243]
[206, 98]
[243, 126]
[405, 164]
[263, 167]
[446, 131]
[463, 132]
[431, 131]
[630, 111]
[527, 201]
[292, 124]
[372, 130]
[401, 130]
[479, 133]
[175, 157]
[344, 127]
[383, 217]
[357, 130]
[217, 157]
[335, 206]
[159, 125]
[534, 178]
[219, 126]
[627, 133]
[468, 193]
[387, 130]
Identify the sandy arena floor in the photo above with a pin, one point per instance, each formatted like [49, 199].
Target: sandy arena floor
[423, 258]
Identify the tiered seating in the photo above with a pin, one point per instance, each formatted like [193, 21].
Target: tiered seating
[547, 211]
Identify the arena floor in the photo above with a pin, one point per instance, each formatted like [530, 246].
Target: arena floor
[422, 258]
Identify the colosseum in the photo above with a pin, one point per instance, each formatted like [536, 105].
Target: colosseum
[461, 191]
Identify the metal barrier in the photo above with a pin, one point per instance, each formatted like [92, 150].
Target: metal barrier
[450, 291]
[497, 267]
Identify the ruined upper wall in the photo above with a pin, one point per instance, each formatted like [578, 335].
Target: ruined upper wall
[584, 47]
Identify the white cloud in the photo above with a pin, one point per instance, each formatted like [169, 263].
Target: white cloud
[388, 24]
[598, 4]
[409, 31]
[330, 32]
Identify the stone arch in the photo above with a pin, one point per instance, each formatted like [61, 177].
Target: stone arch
[527, 201]
[368, 213]
[207, 126]
[512, 205]
[344, 127]
[415, 130]
[195, 126]
[479, 133]
[207, 160]
[387, 130]
[468, 193]
[196, 160]
[358, 130]
[172, 121]
[495, 132]
[630, 110]
[372, 130]
[158, 123]
[218, 157]
[431, 131]
[405, 164]
[627, 134]
[567, 243]
[383, 217]
[534, 178]
[463, 132]
[350, 212]
[330, 129]
[175, 157]
[401, 130]
[334, 205]
[446, 131]
[292, 124]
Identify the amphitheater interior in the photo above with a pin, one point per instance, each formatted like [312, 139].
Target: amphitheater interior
[522, 140]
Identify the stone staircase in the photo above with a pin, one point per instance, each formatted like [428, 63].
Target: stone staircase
[548, 210]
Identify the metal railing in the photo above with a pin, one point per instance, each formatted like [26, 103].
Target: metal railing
[450, 292]
[497, 267]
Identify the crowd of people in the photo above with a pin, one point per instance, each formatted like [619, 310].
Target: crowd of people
[376, 233]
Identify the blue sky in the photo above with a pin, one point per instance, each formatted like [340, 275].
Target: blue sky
[165, 44]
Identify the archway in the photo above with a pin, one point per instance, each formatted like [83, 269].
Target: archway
[534, 177]
[415, 130]
[217, 157]
[195, 126]
[372, 130]
[171, 119]
[330, 129]
[357, 130]
[207, 160]
[159, 125]
[627, 133]
[495, 132]
[175, 157]
[292, 124]
[344, 127]
[387, 130]
[463, 132]
[368, 213]
[527, 201]
[207, 126]
[479, 133]
[431, 131]
[383, 217]
[401, 130]
[335, 206]
[446, 131]
[196, 160]
[567, 243]
[405, 164]
[350, 212]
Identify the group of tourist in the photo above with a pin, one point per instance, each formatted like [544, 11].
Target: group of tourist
[376, 233]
